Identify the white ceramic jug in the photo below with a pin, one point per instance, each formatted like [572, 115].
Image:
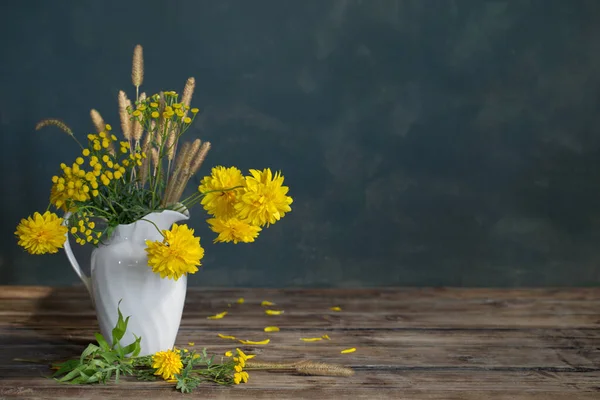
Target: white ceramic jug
[120, 272]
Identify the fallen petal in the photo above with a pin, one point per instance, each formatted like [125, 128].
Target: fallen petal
[272, 329]
[335, 308]
[350, 350]
[326, 337]
[273, 312]
[266, 341]
[267, 303]
[218, 316]
[226, 336]
[311, 339]
[240, 300]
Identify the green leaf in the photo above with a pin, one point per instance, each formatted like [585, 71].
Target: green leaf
[102, 342]
[90, 350]
[119, 330]
[134, 347]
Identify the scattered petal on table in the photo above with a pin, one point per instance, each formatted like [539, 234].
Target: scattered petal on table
[272, 329]
[267, 303]
[326, 337]
[266, 341]
[226, 336]
[273, 312]
[240, 300]
[350, 350]
[336, 308]
[191, 343]
[218, 316]
[228, 353]
[311, 339]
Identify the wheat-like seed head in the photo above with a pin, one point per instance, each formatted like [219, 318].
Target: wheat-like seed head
[154, 155]
[199, 159]
[55, 122]
[124, 115]
[188, 91]
[319, 368]
[97, 120]
[137, 69]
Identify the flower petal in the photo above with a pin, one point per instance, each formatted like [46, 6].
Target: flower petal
[226, 336]
[240, 300]
[267, 303]
[336, 308]
[266, 341]
[271, 329]
[350, 350]
[218, 316]
[273, 312]
[311, 339]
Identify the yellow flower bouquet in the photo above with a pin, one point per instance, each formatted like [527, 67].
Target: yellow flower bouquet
[123, 195]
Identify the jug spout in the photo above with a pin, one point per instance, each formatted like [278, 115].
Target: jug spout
[150, 226]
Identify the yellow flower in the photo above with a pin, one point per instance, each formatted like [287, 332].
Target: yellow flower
[233, 230]
[242, 357]
[167, 364]
[240, 377]
[178, 254]
[221, 204]
[264, 200]
[41, 234]
[240, 362]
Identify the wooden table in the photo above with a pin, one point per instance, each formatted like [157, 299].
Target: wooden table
[411, 343]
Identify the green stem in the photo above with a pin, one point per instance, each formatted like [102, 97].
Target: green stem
[157, 228]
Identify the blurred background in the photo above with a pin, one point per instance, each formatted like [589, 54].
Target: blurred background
[439, 142]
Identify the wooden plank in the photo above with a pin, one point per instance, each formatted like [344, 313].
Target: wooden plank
[430, 343]
[545, 349]
[388, 383]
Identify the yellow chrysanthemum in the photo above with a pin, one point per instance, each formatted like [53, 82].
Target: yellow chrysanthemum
[167, 364]
[41, 234]
[221, 204]
[233, 230]
[264, 200]
[178, 254]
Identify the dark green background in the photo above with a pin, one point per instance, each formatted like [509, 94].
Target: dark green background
[425, 142]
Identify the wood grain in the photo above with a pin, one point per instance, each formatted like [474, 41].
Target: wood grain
[430, 343]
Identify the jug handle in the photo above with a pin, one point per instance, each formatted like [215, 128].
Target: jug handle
[86, 280]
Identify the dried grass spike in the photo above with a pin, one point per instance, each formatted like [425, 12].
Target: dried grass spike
[137, 68]
[124, 115]
[319, 368]
[97, 120]
[188, 91]
[54, 122]
[200, 158]
[154, 155]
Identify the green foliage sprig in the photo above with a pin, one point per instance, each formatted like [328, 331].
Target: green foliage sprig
[98, 363]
